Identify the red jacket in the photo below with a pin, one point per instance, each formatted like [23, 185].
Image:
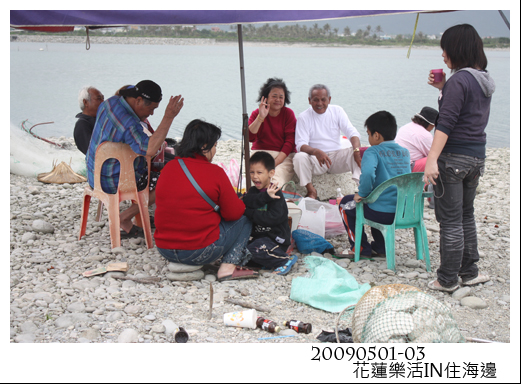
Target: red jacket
[183, 219]
[275, 133]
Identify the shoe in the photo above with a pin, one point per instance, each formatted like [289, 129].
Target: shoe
[441, 288]
[135, 231]
[480, 278]
[376, 254]
[286, 267]
[240, 273]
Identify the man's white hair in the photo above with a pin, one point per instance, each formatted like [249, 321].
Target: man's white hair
[319, 86]
[84, 94]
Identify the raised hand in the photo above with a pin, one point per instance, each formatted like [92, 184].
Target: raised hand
[273, 189]
[264, 108]
[174, 106]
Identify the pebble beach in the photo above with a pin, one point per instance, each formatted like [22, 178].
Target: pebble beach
[52, 302]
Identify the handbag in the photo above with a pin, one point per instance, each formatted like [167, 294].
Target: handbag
[197, 187]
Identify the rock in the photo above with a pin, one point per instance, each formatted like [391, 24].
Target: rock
[158, 328]
[170, 326]
[210, 278]
[461, 293]
[411, 275]
[473, 302]
[412, 263]
[45, 296]
[128, 336]
[28, 327]
[113, 316]
[128, 284]
[76, 307]
[118, 250]
[90, 334]
[188, 276]
[42, 226]
[505, 298]
[150, 317]
[65, 321]
[133, 309]
[28, 236]
[342, 263]
[181, 268]
[25, 338]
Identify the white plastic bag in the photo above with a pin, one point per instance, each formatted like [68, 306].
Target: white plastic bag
[313, 217]
[333, 225]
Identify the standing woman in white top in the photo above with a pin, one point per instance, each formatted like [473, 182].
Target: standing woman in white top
[417, 138]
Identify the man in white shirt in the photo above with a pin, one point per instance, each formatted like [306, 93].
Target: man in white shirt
[317, 138]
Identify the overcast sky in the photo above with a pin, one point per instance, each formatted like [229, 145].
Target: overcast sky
[487, 23]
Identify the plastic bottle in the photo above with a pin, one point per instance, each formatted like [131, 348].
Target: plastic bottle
[349, 205]
[267, 325]
[339, 196]
[298, 326]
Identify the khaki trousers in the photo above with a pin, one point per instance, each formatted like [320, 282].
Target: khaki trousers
[284, 171]
[306, 166]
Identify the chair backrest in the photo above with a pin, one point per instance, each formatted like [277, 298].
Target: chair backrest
[409, 199]
[126, 156]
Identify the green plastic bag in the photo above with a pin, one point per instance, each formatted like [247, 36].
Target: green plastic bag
[329, 287]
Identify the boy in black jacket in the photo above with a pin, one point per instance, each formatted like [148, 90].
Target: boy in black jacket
[268, 211]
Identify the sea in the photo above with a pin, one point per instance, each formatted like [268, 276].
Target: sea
[45, 79]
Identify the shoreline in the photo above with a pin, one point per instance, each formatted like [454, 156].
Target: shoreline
[50, 300]
[202, 41]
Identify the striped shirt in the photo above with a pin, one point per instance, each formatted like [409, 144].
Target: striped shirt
[116, 122]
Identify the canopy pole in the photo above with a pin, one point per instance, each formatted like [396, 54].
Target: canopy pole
[245, 130]
[505, 19]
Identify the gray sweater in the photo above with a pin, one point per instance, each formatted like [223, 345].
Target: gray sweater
[464, 106]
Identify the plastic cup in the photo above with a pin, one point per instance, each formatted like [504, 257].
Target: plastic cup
[241, 319]
[438, 75]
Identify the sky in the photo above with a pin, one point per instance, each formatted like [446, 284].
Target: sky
[487, 23]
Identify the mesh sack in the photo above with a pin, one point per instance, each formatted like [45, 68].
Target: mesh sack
[399, 313]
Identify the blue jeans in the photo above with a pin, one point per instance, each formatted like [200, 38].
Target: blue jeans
[454, 194]
[231, 246]
[349, 219]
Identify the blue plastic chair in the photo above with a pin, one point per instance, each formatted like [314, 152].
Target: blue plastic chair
[409, 214]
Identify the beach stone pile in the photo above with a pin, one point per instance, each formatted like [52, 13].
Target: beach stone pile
[51, 301]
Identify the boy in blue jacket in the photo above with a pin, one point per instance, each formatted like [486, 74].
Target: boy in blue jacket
[383, 160]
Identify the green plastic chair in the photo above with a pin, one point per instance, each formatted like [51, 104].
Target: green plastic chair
[409, 214]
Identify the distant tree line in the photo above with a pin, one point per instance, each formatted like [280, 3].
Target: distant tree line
[294, 33]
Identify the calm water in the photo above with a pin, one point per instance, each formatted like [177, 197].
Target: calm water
[45, 84]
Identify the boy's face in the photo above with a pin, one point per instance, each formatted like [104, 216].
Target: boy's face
[260, 175]
[375, 138]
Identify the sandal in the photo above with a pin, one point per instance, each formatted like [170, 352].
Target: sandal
[135, 231]
[439, 287]
[351, 255]
[240, 273]
[286, 267]
[480, 278]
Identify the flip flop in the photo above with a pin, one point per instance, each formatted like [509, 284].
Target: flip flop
[351, 255]
[286, 267]
[479, 279]
[135, 231]
[240, 273]
[441, 288]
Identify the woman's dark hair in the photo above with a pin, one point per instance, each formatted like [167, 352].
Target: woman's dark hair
[463, 47]
[420, 121]
[274, 83]
[199, 136]
[384, 123]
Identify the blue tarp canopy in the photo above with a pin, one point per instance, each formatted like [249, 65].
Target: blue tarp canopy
[20, 19]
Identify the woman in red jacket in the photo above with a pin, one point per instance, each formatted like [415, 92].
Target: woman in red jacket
[272, 128]
[188, 229]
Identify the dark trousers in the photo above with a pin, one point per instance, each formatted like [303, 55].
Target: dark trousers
[454, 194]
[349, 219]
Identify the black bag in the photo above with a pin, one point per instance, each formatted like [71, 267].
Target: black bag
[266, 253]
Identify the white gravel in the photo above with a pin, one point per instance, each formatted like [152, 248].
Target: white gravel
[50, 300]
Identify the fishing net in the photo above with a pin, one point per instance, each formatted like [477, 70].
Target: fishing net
[399, 313]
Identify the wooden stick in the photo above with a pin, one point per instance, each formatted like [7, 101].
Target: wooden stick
[143, 280]
[211, 302]
[248, 305]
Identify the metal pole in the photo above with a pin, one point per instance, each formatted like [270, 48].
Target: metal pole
[505, 19]
[245, 130]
